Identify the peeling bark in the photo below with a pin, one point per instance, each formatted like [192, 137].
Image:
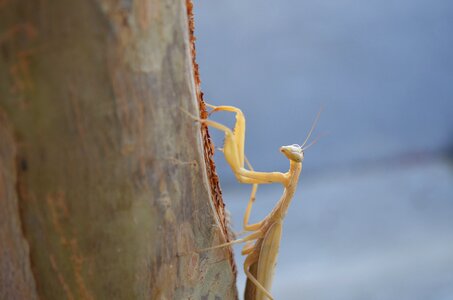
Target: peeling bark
[115, 185]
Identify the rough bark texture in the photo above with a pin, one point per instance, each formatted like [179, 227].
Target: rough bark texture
[105, 191]
[16, 278]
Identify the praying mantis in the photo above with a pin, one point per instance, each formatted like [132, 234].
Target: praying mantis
[263, 243]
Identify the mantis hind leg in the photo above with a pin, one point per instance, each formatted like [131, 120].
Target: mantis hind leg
[251, 237]
[249, 261]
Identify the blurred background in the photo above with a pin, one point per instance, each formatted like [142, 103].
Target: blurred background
[373, 214]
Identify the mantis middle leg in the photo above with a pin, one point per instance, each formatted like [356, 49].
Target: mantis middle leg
[246, 225]
[254, 236]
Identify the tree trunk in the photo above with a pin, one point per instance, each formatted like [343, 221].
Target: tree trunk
[107, 187]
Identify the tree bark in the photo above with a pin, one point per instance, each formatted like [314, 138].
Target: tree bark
[107, 187]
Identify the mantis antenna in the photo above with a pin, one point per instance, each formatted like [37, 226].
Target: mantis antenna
[312, 129]
[314, 141]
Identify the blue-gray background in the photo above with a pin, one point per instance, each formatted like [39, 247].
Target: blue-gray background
[373, 214]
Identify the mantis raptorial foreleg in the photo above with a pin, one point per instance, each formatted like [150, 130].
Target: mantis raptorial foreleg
[234, 149]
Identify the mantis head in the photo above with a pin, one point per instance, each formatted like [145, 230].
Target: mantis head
[293, 152]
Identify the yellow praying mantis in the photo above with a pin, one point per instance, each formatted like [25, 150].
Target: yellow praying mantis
[263, 244]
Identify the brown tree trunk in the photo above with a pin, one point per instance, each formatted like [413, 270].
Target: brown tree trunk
[107, 187]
